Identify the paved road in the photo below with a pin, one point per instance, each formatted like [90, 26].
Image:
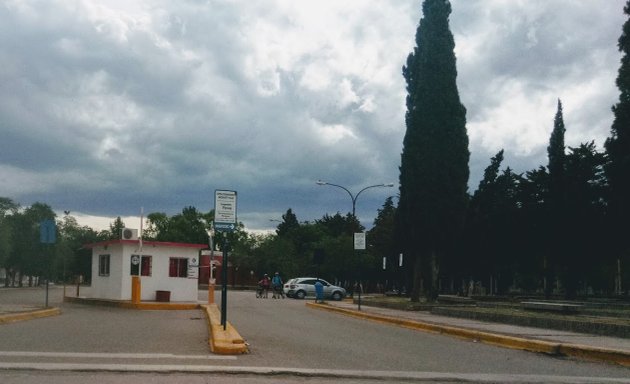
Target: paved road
[282, 330]
[281, 333]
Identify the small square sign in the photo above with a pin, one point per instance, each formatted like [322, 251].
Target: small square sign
[359, 240]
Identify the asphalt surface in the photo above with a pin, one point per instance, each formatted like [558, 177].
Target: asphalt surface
[20, 304]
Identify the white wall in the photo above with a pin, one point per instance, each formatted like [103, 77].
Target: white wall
[107, 287]
[117, 286]
[181, 288]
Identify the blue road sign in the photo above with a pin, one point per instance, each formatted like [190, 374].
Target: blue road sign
[47, 231]
[224, 227]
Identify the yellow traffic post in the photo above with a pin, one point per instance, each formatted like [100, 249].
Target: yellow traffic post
[136, 289]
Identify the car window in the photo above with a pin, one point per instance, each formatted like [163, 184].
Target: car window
[308, 281]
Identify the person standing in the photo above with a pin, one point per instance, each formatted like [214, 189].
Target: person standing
[276, 284]
[264, 283]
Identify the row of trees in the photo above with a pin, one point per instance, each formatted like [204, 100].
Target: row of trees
[25, 259]
[290, 250]
[559, 228]
[566, 222]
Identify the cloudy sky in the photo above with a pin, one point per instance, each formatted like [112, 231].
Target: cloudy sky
[107, 106]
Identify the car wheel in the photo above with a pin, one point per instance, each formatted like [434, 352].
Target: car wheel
[336, 296]
[300, 295]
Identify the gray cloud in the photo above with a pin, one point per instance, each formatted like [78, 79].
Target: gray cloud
[107, 106]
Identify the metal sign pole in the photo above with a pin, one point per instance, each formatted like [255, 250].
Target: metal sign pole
[224, 275]
[47, 273]
[359, 244]
[224, 221]
[47, 235]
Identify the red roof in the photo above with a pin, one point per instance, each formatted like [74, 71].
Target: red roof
[146, 243]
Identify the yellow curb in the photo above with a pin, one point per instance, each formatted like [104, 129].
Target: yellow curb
[551, 348]
[223, 342]
[21, 316]
[593, 353]
[160, 306]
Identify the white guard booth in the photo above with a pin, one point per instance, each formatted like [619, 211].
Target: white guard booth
[163, 267]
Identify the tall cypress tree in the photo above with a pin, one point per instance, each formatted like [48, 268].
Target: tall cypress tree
[557, 156]
[618, 151]
[557, 198]
[434, 163]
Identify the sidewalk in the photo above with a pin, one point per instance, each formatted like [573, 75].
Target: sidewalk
[592, 347]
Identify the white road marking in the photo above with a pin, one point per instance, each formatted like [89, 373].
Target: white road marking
[91, 355]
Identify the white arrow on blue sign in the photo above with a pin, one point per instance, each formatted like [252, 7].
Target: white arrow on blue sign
[225, 227]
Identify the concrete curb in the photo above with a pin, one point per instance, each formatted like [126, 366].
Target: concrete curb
[21, 316]
[223, 342]
[150, 305]
[552, 348]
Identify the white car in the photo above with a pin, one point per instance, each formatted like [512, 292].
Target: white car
[302, 287]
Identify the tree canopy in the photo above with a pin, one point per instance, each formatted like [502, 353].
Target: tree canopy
[434, 163]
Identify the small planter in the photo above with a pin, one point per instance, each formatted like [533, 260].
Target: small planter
[163, 296]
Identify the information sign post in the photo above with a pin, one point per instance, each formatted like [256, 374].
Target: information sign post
[47, 235]
[224, 221]
[359, 244]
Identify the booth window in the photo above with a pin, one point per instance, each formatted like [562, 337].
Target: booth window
[178, 267]
[103, 265]
[141, 265]
[145, 266]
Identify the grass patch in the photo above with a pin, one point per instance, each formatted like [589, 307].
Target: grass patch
[593, 319]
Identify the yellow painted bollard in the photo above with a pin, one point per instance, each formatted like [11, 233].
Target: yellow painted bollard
[136, 289]
[210, 293]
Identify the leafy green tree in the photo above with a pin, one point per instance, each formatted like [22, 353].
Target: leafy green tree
[618, 151]
[72, 258]
[289, 223]
[381, 243]
[338, 225]
[157, 224]
[28, 256]
[584, 220]
[434, 163]
[115, 229]
[493, 226]
[533, 197]
[189, 226]
[7, 207]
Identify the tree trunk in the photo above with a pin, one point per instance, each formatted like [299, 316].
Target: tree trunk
[433, 292]
[417, 280]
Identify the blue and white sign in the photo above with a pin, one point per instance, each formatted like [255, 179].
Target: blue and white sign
[47, 232]
[224, 210]
[224, 226]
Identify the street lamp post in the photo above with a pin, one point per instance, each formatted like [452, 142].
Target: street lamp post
[354, 198]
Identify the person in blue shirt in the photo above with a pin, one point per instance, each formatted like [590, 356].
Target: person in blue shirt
[276, 283]
[319, 292]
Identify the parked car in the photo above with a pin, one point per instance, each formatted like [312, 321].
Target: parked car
[301, 287]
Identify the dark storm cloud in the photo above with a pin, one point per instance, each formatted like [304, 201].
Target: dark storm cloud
[109, 106]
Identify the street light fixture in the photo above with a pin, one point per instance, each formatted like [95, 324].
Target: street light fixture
[354, 204]
[352, 196]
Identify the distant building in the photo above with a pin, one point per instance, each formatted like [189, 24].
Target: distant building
[162, 267]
